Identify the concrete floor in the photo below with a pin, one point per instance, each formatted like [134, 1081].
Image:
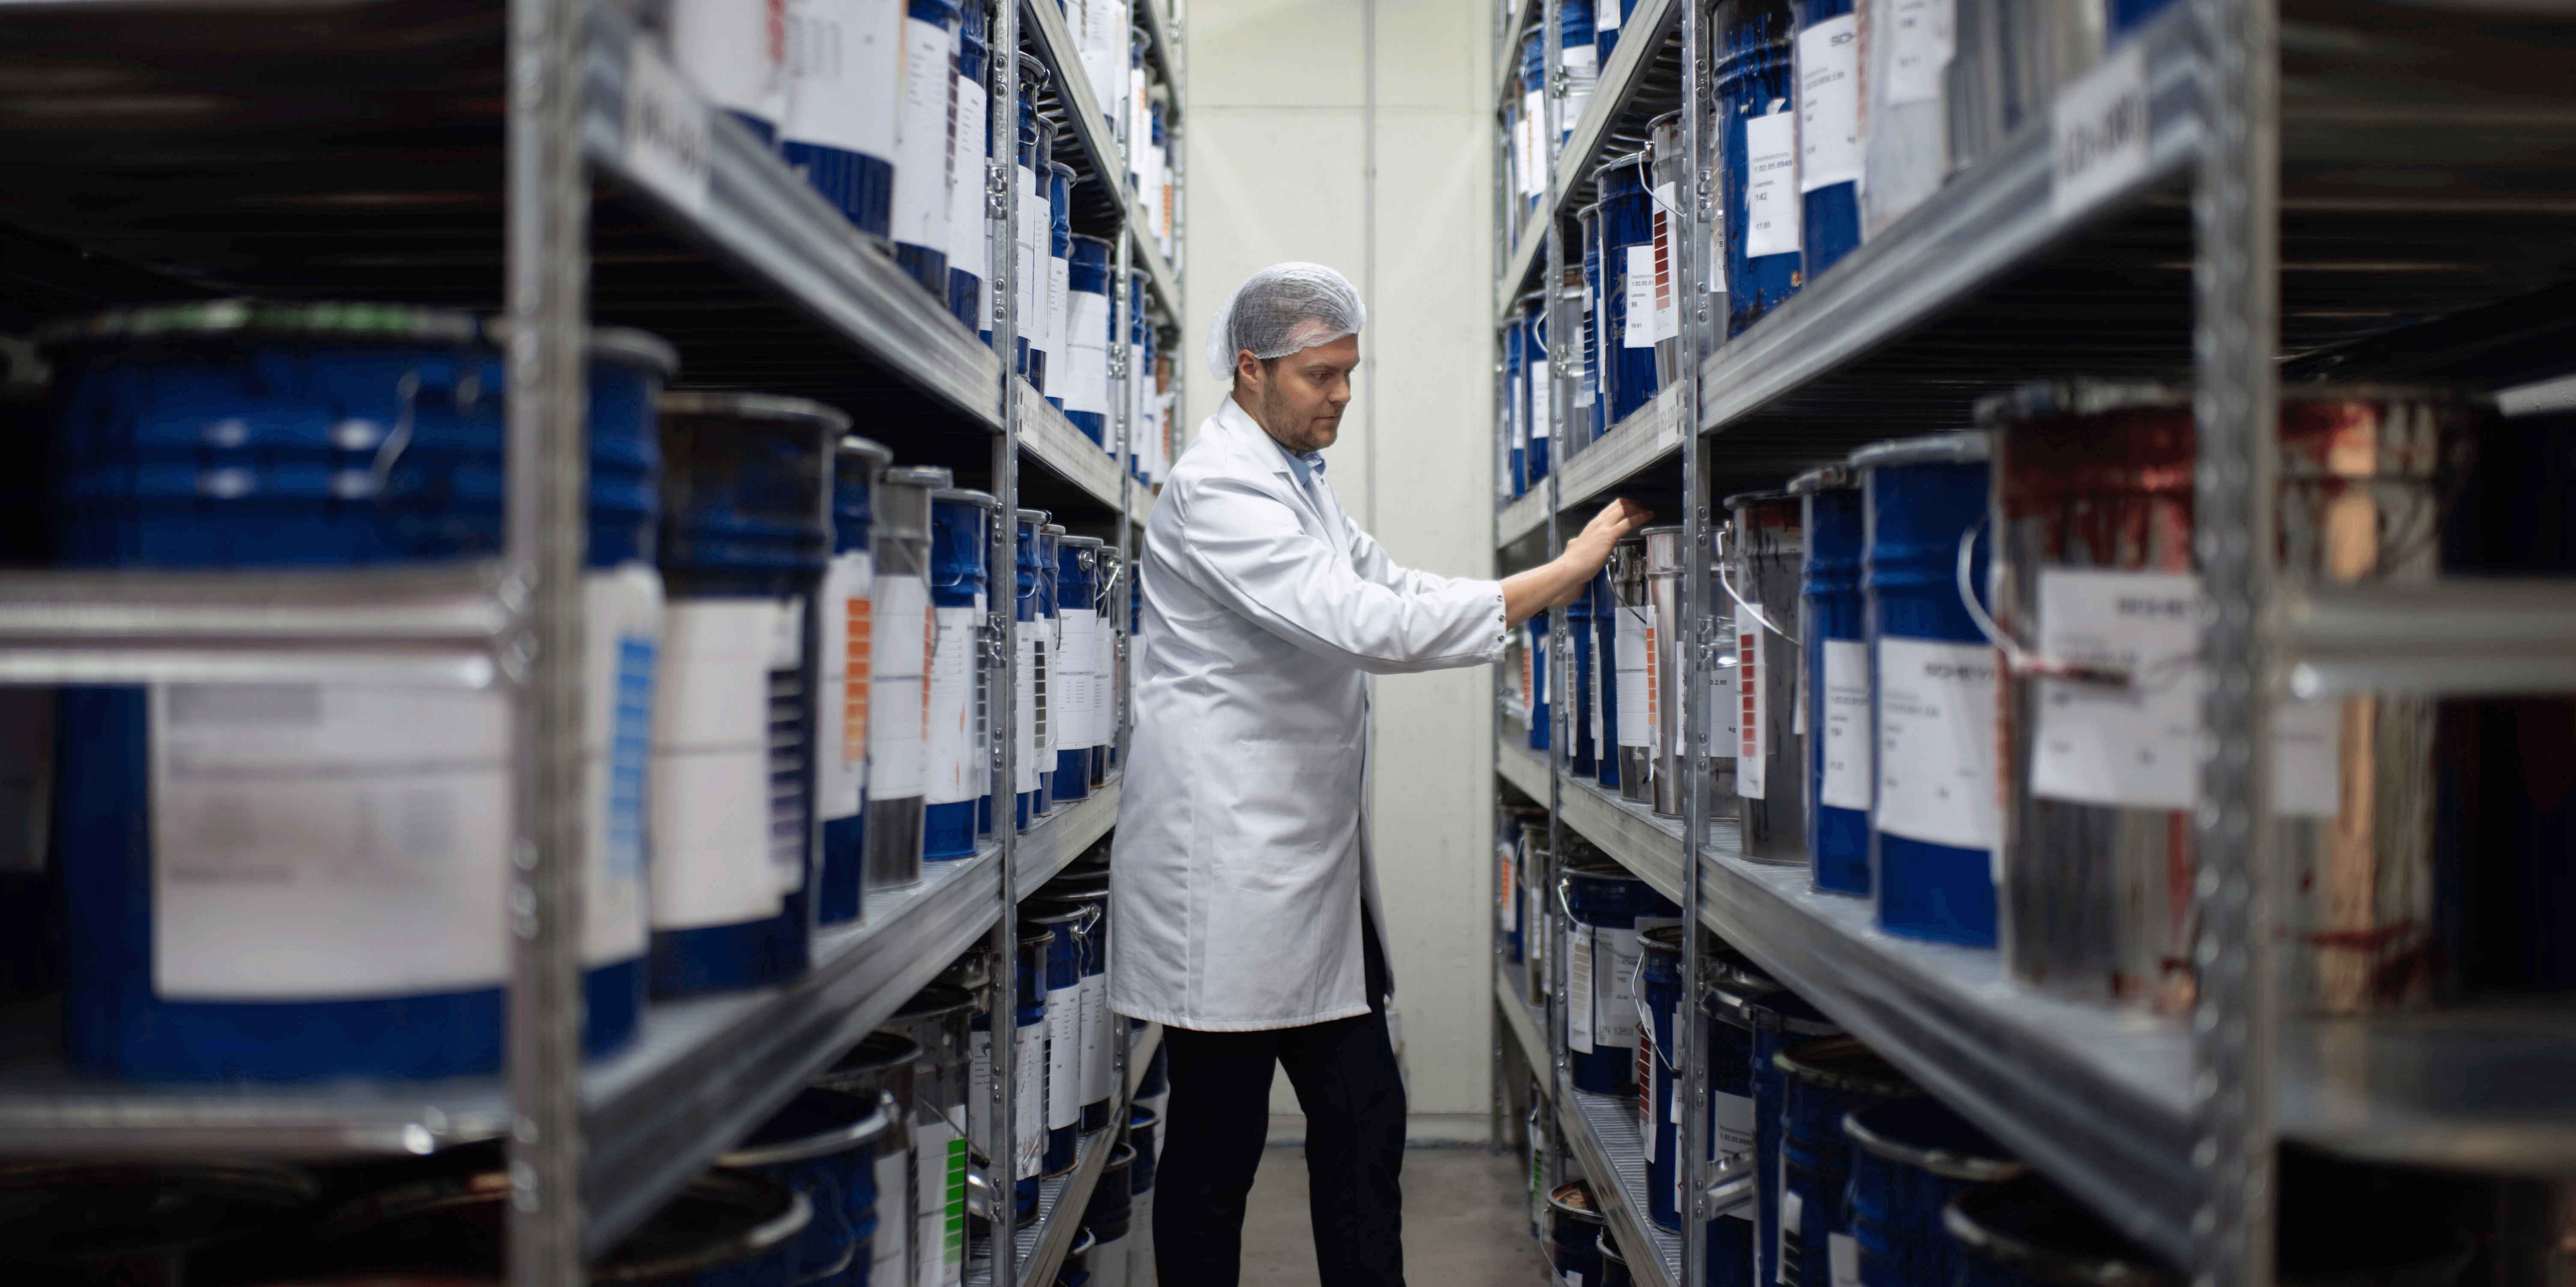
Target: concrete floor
[1466, 1222]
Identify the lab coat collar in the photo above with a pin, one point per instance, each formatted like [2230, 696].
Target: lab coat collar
[1250, 438]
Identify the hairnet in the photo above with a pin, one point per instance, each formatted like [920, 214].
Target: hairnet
[1283, 309]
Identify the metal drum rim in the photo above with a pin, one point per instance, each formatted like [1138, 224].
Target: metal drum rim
[1556, 1203]
[966, 496]
[752, 406]
[1955, 447]
[914, 1009]
[1788, 1062]
[758, 1239]
[2062, 1266]
[1823, 478]
[1080, 542]
[1942, 1162]
[929, 477]
[866, 1130]
[1742, 499]
[865, 449]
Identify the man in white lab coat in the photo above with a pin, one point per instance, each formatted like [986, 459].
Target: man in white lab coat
[1245, 903]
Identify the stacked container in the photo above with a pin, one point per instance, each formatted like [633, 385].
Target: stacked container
[849, 596]
[957, 759]
[905, 627]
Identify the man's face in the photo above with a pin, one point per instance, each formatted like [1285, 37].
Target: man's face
[1299, 398]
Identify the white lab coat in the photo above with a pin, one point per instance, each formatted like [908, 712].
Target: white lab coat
[1241, 856]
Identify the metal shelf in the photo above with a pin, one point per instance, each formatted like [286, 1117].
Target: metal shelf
[1062, 836]
[1050, 439]
[1646, 438]
[1524, 1022]
[1163, 46]
[1055, 47]
[1507, 84]
[1042, 1244]
[1521, 766]
[1158, 272]
[1641, 38]
[1603, 1131]
[1523, 515]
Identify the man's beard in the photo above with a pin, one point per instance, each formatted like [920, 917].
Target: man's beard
[1288, 425]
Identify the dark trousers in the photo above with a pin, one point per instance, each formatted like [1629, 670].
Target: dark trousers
[1218, 1122]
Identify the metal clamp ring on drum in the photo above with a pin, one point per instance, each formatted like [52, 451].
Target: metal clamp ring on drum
[2024, 662]
[1728, 584]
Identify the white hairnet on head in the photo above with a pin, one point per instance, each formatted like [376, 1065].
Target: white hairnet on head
[1283, 309]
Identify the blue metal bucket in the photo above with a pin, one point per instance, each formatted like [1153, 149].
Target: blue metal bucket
[905, 628]
[1829, 74]
[1606, 39]
[1605, 908]
[1540, 387]
[1087, 338]
[1059, 188]
[1077, 563]
[1075, 1271]
[1098, 1062]
[958, 763]
[841, 791]
[1779, 1021]
[1627, 221]
[1051, 697]
[743, 550]
[1515, 416]
[1535, 659]
[1581, 751]
[921, 203]
[1574, 1228]
[250, 434]
[968, 226]
[1909, 1158]
[1826, 1080]
[1589, 409]
[1733, 1143]
[1659, 997]
[1839, 759]
[1072, 926]
[1753, 77]
[1935, 682]
[1033, 637]
[1605, 679]
[824, 1146]
[835, 103]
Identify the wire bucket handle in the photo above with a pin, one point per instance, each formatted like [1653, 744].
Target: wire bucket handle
[1645, 1021]
[1728, 583]
[2035, 664]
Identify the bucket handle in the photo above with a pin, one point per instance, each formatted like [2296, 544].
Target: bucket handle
[380, 474]
[2024, 662]
[1728, 583]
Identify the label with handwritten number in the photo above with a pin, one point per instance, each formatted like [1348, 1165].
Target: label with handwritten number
[1771, 207]
[1936, 742]
[1829, 103]
[2097, 133]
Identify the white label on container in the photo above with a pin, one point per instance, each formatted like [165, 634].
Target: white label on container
[979, 1089]
[2132, 745]
[940, 1202]
[1720, 715]
[1847, 746]
[925, 145]
[1059, 327]
[1086, 386]
[790, 831]
[1583, 67]
[1074, 677]
[949, 746]
[845, 70]
[1842, 1254]
[1533, 125]
[841, 737]
[1064, 1057]
[1734, 1115]
[1029, 1096]
[1507, 909]
[1632, 645]
[1638, 332]
[1771, 208]
[668, 144]
[1104, 682]
[2307, 780]
[622, 645]
[900, 664]
[1793, 1212]
[969, 231]
[1024, 683]
[1829, 103]
[2097, 132]
[1936, 742]
[1605, 15]
[1923, 39]
[1538, 388]
[1578, 988]
[1592, 685]
[1028, 288]
[893, 1236]
[1096, 1043]
[1752, 737]
[710, 780]
[1668, 313]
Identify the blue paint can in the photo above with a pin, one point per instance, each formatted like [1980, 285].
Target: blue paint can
[1073, 926]
[1608, 18]
[1086, 384]
[1625, 313]
[1909, 1158]
[956, 757]
[1731, 983]
[1574, 1228]
[1533, 123]
[1605, 678]
[1580, 61]
[1534, 678]
[225, 907]
[904, 628]
[1830, 160]
[1111, 1220]
[824, 1145]
[1826, 1080]
[970, 253]
[924, 144]
[1589, 407]
[1033, 963]
[1032, 638]
[1059, 288]
[1935, 685]
[884, 1068]
[843, 113]
[1757, 156]
[1515, 409]
[1096, 1062]
[1075, 1271]
[1606, 908]
[1076, 667]
[1779, 1020]
[1538, 383]
[1583, 740]
[743, 542]
[1614, 1266]
[841, 780]
[1835, 641]
[1051, 695]
[1733, 1144]
[1029, 231]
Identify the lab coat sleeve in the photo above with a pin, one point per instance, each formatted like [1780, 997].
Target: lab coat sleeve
[1246, 549]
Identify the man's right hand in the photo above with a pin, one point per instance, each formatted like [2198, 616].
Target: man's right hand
[1561, 580]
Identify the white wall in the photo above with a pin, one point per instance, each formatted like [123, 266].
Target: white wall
[1277, 134]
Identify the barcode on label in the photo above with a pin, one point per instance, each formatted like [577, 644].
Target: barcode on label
[668, 144]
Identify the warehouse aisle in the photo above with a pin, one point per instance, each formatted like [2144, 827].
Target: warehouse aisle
[1466, 1222]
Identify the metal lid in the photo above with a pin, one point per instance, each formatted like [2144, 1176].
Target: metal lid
[1958, 447]
[1059, 165]
[866, 449]
[875, 1051]
[1052, 529]
[938, 998]
[736, 405]
[1923, 1133]
[1574, 1198]
[966, 496]
[1078, 540]
[1032, 517]
[1617, 162]
[348, 321]
[1791, 1014]
[1051, 911]
[1661, 529]
[926, 476]
[866, 1129]
[1823, 478]
[1843, 1063]
[1742, 499]
[2077, 398]
[2028, 1224]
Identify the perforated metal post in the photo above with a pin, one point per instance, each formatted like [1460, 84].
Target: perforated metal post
[1698, 605]
[1001, 211]
[2235, 215]
[547, 279]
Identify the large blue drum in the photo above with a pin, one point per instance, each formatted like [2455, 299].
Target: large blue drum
[1827, 1079]
[1583, 714]
[1032, 638]
[1605, 678]
[1909, 1158]
[1086, 344]
[1606, 908]
[743, 550]
[1829, 133]
[1050, 676]
[899, 675]
[1626, 333]
[849, 587]
[1757, 154]
[957, 759]
[1096, 1063]
[1072, 926]
[1936, 682]
[1836, 642]
[1778, 1020]
[227, 901]
[824, 1146]
[1077, 668]
[1574, 1226]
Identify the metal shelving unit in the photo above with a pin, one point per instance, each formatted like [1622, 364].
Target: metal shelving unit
[1525, 1023]
[2297, 203]
[544, 157]
[1603, 1132]
[1040, 1248]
